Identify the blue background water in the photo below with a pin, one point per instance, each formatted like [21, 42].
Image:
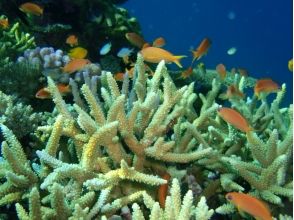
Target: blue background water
[261, 31]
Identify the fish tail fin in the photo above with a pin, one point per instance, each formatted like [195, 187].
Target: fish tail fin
[177, 62]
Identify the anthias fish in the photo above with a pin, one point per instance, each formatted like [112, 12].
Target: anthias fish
[265, 86]
[155, 55]
[72, 40]
[75, 65]
[232, 92]
[45, 94]
[234, 118]
[135, 39]
[158, 42]
[221, 70]
[251, 205]
[31, 8]
[202, 49]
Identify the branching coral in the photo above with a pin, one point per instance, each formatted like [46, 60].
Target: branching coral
[109, 149]
[13, 42]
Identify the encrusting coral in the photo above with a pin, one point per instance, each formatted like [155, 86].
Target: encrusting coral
[110, 149]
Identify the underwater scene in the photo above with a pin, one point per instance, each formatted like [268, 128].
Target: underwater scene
[133, 110]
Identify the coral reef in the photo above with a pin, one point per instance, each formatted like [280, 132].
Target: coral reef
[109, 150]
[13, 42]
[18, 117]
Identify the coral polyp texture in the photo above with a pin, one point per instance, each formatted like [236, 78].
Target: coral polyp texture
[108, 152]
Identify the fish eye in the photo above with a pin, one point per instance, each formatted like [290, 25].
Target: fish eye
[229, 197]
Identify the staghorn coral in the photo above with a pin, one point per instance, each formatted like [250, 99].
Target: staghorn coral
[108, 150]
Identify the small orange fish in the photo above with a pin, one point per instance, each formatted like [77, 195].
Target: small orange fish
[221, 69]
[4, 23]
[234, 118]
[31, 8]
[119, 76]
[155, 55]
[250, 204]
[232, 92]
[265, 86]
[75, 64]
[72, 40]
[78, 53]
[202, 49]
[45, 94]
[186, 73]
[135, 39]
[162, 191]
[158, 42]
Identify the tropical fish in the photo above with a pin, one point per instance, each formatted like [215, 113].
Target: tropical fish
[123, 52]
[265, 86]
[186, 73]
[135, 39]
[158, 42]
[249, 204]
[75, 65]
[31, 8]
[232, 92]
[78, 53]
[162, 191]
[105, 49]
[232, 51]
[4, 23]
[234, 118]
[119, 76]
[155, 55]
[221, 69]
[202, 49]
[45, 94]
[72, 40]
[290, 65]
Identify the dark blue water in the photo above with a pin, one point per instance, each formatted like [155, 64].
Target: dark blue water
[260, 30]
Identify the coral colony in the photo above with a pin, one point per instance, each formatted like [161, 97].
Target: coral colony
[140, 142]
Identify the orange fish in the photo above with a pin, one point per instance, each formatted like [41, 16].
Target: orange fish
[119, 76]
[232, 92]
[45, 94]
[202, 49]
[75, 64]
[155, 55]
[221, 69]
[72, 40]
[31, 8]
[250, 204]
[265, 86]
[158, 42]
[135, 39]
[234, 118]
[186, 73]
[162, 191]
[4, 23]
